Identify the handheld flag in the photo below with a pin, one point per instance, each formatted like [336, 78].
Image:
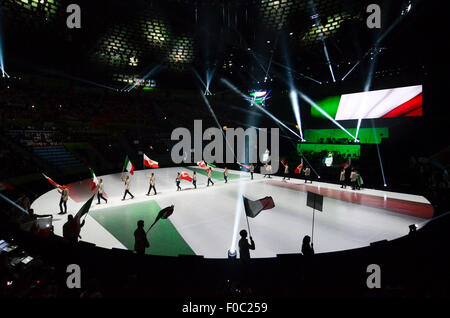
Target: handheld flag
[211, 165]
[150, 163]
[252, 208]
[298, 170]
[128, 165]
[201, 164]
[163, 214]
[185, 176]
[83, 211]
[5, 186]
[347, 163]
[283, 163]
[53, 183]
[94, 180]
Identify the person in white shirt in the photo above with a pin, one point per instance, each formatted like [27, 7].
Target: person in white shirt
[178, 180]
[209, 171]
[225, 174]
[100, 191]
[286, 172]
[127, 188]
[342, 179]
[152, 184]
[307, 171]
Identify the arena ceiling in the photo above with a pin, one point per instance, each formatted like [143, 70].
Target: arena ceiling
[247, 40]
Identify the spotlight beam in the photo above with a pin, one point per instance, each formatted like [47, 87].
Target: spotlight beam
[234, 88]
[151, 72]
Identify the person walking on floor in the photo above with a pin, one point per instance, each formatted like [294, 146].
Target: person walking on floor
[194, 180]
[307, 171]
[63, 201]
[225, 174]
[140, 239]
[152, 184]
[342, 179]
[353, 179]
[100, 191]
[127, 188]
[209, 172]
[178, 180]
[286, 172]
[252, 170]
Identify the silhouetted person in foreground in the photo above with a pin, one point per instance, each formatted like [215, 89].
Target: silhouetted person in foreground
[140, 239]
[71, 230]
[307, 247]
[244, 247]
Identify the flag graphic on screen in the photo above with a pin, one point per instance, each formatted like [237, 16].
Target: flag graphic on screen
[128, 165]
[150, 163]
[252, 208]
[384, 103]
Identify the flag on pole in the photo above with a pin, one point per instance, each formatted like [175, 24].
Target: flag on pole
[298, 170]
[163, 214]
[128, 165]
[283, 163]
[83, 211]
[185, 176]
[201, 164]
[5, 186]
[211, 165]
[150, 163]
[53, 183]
[252, 208]
[347, 163]
[94, 180]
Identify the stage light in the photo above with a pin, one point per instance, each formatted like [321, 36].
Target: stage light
[385, 185]
[413, 228]
[291, 33]
[232, 255]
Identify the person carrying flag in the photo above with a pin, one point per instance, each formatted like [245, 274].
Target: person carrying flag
[194, 180]
[353, 179]
[286, 172]
[140, 239]
[63, 201]
[152, 184]
[225, 174]
[177, 180]
[307, 171]
[342, 179]
[245, 247]
[100, 191]
[127, 188]
[209, 172]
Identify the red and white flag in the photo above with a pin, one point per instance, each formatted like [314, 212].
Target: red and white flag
[54, 183]
[298, 170]
[150, 163]
[5, 186]
[185, 176]
[201, 164]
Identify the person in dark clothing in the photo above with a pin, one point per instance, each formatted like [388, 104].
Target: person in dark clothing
[63, 201]
[307, 247]
[140, 239]
[71, 230]
[244, 246]
[178, 180]
[194, 179]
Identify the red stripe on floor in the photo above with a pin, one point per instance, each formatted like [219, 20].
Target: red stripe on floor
[417, 209]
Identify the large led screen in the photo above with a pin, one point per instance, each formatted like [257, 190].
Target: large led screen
[385, 103]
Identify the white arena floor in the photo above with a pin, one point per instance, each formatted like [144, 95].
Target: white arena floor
[205, 217]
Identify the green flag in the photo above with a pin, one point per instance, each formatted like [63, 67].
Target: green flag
[211, 165]
[84, 210]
